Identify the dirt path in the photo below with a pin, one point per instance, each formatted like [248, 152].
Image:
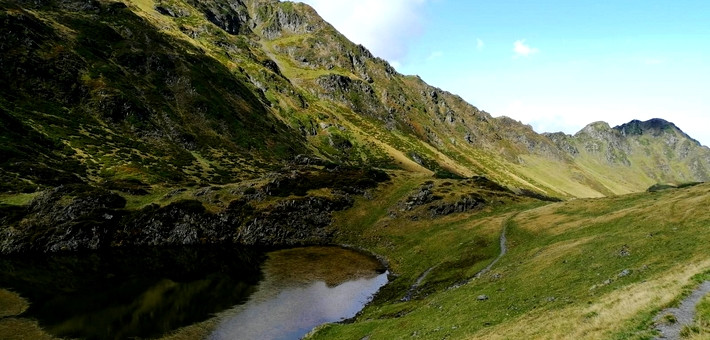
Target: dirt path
[416, 285]
[503, 250]
[684, 314]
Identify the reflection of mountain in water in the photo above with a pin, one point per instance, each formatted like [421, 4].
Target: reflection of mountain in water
[325, 285]
[136, 293]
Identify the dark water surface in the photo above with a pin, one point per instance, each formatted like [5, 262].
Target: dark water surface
[245, 293]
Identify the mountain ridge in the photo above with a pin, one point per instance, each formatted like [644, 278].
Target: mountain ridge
[173, 123]
[309, 90]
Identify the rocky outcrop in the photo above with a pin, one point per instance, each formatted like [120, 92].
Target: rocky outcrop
[423, 196]
[564, 142]
[83, 218]
[355, 93]
[231, 16]
[64, 218]
[464, 203]
[291, 222]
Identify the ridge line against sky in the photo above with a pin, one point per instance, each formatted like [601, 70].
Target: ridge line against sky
[556, 65]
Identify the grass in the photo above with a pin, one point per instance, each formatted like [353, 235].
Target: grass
[700, 329]
[560, 279]
[561, 275]
[11, 326]
[18, 199]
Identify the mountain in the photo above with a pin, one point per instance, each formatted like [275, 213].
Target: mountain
[193, 92]
[158, 123]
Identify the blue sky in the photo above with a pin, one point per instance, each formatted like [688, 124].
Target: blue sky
[556, 65]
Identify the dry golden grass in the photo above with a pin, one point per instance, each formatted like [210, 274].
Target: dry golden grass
[11, 304]
[22, 329]
[607, 316]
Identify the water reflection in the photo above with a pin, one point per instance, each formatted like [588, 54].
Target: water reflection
[148, 293]
[131, 293]
[303, 288]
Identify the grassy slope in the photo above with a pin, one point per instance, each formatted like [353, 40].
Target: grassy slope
[402, 123]
[560, 279]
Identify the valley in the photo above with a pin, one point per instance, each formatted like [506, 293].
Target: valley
[155, 124]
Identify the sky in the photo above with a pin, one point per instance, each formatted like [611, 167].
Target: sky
[557, 65]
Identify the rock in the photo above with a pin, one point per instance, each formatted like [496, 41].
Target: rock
[65, 218]
[302, 159]
[607, 282]
[272, 65]
[343, 89]
[482, 297]
[175, 12]
[415, 157]
[292, 222]
[232, 17]
[465, 203]
[174, 192]
[624, 272]
[469, 138]
[421, 197]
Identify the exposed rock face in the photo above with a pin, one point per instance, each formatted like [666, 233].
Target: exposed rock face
[278, 20]
[78, 217]
[563, 141]
[423, 196]
[636, 145]
[293, 222]
[465, 203]
[353, 92]
[231, 16]
[97, 220]
[65, 218]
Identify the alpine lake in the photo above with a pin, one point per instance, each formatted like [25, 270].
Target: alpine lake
[215, 292]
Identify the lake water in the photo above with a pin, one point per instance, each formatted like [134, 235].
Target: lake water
[232, 293]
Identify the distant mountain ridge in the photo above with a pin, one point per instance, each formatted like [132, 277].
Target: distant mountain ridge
[197, 92]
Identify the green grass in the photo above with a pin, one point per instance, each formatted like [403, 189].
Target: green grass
[18, 199]
[564, 264]
[700, 329]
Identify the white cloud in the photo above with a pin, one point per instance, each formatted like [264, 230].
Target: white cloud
[523, 50]
[479, 44]
[385, 27]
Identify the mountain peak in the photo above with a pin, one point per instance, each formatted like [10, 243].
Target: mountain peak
[637, 127]
[598, 125]
[596, 129]
[655, 127]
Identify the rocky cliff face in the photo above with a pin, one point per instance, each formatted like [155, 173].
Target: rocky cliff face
[655, 149]
[81, 217]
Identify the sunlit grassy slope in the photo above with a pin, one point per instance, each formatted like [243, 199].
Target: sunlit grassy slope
[124, 96]
[176, 93]
[586, 268]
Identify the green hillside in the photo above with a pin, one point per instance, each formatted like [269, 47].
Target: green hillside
[176, 93]
[149, 123]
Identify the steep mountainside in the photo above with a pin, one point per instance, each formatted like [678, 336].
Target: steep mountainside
[635, 154]
[182, 92]
[158, 123]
